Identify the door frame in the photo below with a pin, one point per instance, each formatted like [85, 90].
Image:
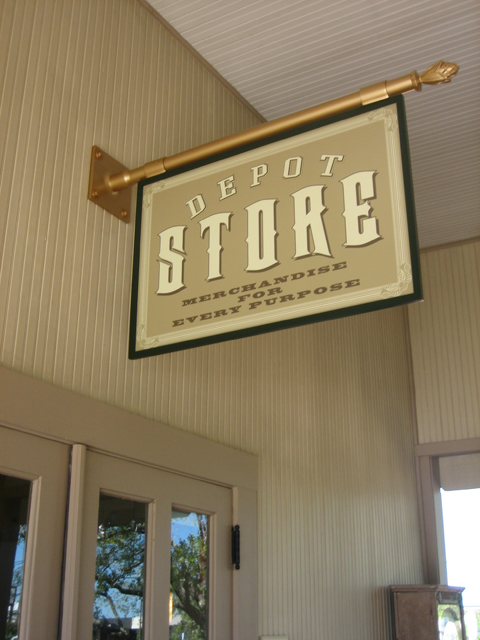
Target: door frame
[428, 481]
[62, 415]
[44, 463]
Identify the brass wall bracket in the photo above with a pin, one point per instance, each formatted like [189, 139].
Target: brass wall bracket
[102, 166]
[110, 182]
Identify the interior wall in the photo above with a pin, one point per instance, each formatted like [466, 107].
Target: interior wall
[327, 408]
[445, 337]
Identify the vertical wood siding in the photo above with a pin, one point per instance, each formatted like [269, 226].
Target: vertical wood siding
[327, 408]
[445, 336]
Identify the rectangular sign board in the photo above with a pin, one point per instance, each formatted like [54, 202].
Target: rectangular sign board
[313, 224]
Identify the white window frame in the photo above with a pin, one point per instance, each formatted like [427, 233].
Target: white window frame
[36, 407]
[431, 520]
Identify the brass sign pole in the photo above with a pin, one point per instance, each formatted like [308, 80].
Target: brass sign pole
[110, 182]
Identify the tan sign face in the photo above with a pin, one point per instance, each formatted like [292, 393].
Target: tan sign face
[314, 223]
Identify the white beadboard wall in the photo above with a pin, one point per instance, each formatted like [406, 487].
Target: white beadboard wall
[327, 408]
[445, 337]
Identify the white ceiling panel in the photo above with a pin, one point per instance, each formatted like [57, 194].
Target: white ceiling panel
[284, 56]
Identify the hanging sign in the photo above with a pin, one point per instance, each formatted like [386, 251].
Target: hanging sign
[313, 224]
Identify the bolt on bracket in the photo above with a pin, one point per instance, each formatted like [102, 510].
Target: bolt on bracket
[102, 166]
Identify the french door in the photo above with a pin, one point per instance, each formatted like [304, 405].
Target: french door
[57, 528]
[33, 492]
[154, 558]
[147, 556]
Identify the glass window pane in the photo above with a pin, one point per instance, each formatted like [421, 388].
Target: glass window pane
[14, 501]
[460, 522]
[120, 570]
[189, 577]
[449, 621]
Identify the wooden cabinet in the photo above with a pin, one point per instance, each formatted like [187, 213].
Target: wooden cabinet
[428, 612]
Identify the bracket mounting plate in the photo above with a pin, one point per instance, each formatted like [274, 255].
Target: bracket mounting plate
[102, 166]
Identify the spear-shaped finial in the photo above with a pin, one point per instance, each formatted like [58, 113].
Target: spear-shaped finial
[440, 73]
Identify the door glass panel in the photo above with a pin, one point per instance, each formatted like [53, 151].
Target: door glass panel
[189, 576]
[120, 570]
[14, 500]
